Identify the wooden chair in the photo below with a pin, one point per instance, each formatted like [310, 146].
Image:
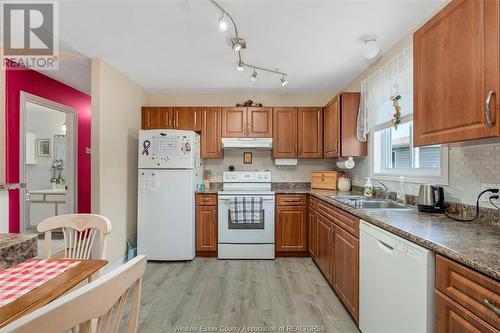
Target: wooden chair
[103, 299]
[79, 231]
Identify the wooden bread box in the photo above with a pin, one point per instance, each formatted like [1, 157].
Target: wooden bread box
[325, 180]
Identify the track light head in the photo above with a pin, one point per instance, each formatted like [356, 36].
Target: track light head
[284, 82]
[238, 44]
[253, 77]
[222, 23]
[240, 67]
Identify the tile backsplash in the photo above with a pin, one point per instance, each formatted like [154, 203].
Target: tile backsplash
[262, 161]
[470, 168]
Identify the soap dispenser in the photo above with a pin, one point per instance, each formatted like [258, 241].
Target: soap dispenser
[368, 188]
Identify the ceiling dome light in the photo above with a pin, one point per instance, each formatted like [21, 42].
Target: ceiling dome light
[238, 44]
[253, 77]
[284, 82]
[240, 67]
[371, 47]
[222, 23]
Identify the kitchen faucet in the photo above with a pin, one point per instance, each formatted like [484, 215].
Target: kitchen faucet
[383, 188]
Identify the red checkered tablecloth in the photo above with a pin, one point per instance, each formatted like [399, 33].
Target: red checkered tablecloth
[26, 276]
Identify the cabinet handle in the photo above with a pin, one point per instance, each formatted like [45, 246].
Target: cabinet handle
[292, 200]
[176, 119]
[195, 118]
[487, 111]
[206, 199]
[215, 221]
[492, 307]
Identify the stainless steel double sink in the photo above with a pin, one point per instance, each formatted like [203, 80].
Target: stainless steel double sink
[368, 203]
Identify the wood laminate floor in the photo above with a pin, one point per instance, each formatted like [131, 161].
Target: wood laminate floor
[210, 295]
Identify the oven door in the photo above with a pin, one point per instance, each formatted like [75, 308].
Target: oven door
[230, 235]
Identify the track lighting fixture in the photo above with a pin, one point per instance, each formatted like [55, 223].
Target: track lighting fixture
[253, 77]
[238, 44]
[284, 82]
[222, 23]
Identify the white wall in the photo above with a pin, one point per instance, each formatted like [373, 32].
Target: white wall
[470, 165]
[45, 124]
[116, 104]
[4, 200]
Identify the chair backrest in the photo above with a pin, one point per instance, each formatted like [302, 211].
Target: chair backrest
[103, 299]
[79, 231]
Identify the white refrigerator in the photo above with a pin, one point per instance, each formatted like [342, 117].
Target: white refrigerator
[170, 168]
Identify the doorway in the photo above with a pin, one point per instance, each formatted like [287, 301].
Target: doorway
[47, 160]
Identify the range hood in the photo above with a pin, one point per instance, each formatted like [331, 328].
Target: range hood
[247, 143]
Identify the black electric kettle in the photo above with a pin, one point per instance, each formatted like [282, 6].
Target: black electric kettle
[430, 199]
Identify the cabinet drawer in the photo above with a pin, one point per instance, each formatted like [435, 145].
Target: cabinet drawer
[326, 180]
[474, 291]
[291, 200]
[313, 203]
[345, 220]
[206, 199]
[451, 317]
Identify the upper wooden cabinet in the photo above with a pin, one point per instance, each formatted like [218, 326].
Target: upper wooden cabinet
[331, 118]
[187, 118]
[154, 117]
[211, 133]
[239, 122]
[310, 132]
[181, 118]
[285, 133]
[234, 123]
[456, 74]
[340, 119]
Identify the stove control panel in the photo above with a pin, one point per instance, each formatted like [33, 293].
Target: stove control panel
[246, 177]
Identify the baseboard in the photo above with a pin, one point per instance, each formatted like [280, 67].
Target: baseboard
[206, 253]
[292, 254]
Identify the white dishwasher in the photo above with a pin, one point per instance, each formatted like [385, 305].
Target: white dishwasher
[396, 284]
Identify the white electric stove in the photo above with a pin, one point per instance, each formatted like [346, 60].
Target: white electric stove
[236, 243]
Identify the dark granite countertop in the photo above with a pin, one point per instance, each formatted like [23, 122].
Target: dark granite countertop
[476, 245]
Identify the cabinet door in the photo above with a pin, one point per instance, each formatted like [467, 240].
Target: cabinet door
[234, 122]
[291, 228]
[210, 133]
[345, 263]
[154, 117]
[206, 228]
[455, 66]
[187, 118]
[452, 318]
[324, 250]
[310, 132]
[313, 237]
[349, 143]
[260, 122]
[285, 133]
[331, 118]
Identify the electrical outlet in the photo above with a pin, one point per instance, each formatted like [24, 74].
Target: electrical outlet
[288, 177]
[486, 196]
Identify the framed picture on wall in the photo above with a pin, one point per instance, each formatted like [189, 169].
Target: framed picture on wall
[247, 158]
[43, 147]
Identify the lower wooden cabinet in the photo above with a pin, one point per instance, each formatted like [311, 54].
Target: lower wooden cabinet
[312, 243]
[206, 226]
[345, 265]
[291, 224]
[453, 318]
[334, 246]
[324, 251]
[466, 301]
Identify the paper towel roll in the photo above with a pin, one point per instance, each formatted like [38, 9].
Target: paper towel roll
[346, 164]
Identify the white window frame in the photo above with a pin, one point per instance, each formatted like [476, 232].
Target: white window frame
[419, 176]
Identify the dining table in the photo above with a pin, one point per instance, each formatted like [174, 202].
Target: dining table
[71, 273]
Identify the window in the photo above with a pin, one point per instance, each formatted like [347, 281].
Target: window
[394, 155]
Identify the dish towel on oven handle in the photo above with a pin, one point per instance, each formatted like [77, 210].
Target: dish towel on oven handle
[246, 210]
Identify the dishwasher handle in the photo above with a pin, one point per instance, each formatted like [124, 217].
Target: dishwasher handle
[384, 246]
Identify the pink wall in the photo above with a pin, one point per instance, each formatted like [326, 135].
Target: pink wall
[40, 85]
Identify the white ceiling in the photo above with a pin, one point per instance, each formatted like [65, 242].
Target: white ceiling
[175, 46]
